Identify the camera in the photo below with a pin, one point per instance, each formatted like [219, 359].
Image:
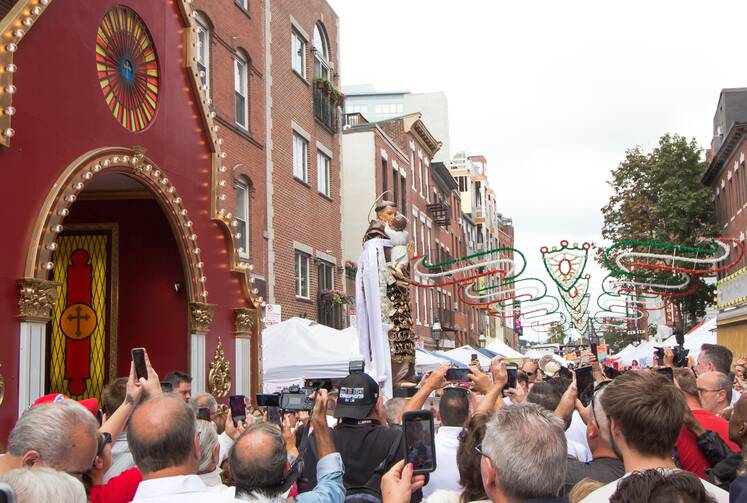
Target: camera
[680, 355]
[296, 398]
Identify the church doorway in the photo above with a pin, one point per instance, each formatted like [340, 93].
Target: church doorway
[121, 285]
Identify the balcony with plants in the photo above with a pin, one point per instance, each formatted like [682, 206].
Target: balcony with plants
[327, 102]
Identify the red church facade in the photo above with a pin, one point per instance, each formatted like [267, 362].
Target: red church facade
[119, 198]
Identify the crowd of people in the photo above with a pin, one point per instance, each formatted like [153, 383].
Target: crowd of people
[644, 435]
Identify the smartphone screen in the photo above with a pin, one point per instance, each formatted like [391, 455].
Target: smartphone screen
[666, 372]
[138, 357]
[474, 356]
[511, 382]
[457, 375]
[420, 445]
[584, 384]
[203, 413]
[238, 407]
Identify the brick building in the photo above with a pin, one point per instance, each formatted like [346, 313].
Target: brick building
[726, 175]
[303, 159]
[230, 51]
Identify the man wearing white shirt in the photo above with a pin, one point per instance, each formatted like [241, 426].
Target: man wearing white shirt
[644, 414]
[163, 440]
[453, 410]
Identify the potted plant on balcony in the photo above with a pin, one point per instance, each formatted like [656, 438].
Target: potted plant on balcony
[336, 297]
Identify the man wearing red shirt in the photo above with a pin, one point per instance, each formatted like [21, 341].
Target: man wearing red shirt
[691, 459]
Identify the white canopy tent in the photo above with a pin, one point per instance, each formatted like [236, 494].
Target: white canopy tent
[501, 348]
[299, 349]
[705, 333]
[464, 354]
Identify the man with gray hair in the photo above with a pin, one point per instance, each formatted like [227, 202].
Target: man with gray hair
[605, 466]
[261, 471]
[62, 435]
[524, 455]
[164, 442]
[44, 484]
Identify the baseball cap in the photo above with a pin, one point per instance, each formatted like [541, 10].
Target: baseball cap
[358, 395]
[91, 404]
[551, 368]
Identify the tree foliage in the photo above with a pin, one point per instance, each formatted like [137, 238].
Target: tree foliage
[556, 334]
[658, 196]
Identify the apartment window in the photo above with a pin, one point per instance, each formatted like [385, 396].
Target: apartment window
[321, 53]
[384, 173]
[427, 184]
[241, 90]
[242, 216]
[403, 194]
[298, 53]
[326, 275]
[395, 183]
[302, 275]
[420, 175]
[462, 184]
[203, 51]
[300, 157]
[244, 4]
[412, 169]
[324, 167]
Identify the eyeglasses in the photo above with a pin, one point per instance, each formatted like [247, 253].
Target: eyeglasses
[104, 440]
[706, 390]
[478, 449]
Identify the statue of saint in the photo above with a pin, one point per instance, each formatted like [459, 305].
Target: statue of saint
[383, 300]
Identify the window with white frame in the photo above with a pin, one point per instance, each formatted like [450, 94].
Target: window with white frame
[325, 275]
[241, 90]
[321, 53]
[202, 52]
[300, 157]
[298, 53]
[324, 178]
[242, 217]
[420, 175]
[303, 279]
[412, 169]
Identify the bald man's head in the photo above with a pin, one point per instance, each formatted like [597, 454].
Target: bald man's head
[259, 461]
[738, 422]
[162, 435]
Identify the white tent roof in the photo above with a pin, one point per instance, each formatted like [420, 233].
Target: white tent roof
[464, 354]
[624, 351]
[299, 349]
[705, 333]
[504, 350]
[644, 354]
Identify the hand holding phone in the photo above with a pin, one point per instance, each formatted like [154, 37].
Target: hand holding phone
[238, 407]
[457, 375]
[585, 384]
[138, 358]
[420, 445]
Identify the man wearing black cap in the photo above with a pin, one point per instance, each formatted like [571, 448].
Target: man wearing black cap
[368, 447]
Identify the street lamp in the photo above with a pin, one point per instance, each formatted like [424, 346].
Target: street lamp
[481, 340]
[436, 332]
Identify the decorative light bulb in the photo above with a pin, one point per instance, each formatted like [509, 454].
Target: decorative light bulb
[223, 169]
[78, 186]
[196, 251]
[189, 223]
[63, 212]
[156, 173]
[10, 89]
[193, 237]
[183, 212]
[87, 175]
[251, 279]
[203, 279]
[36, 10]
[96, 168]
[204, 294]
[234, 223]
[260, 298]
[52, 246]
[106, 163]
[11, 68]
[220, 141]
[71, 198]
[49, 266]
[263, 304]
[200, 265]
[148, 168]
[27, 21]
[116, 159]
[178, 200]
[240, 250]
[56, 228]
[18, 33]
[164, 181]
[222, 155]
[251, 267]
[237, 236]
[229, 215]
[222, 183]
[222, 197]
[255, 291]
[9, 132]
[11, 47]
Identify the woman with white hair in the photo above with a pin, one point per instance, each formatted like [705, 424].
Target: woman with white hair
[33, 485]
[209, 469]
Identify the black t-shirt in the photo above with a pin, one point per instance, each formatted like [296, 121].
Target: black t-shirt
[363, 447]
[603, 470]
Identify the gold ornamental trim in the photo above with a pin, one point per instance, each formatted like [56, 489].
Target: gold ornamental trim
[219, 378]
[200, 317]
[246, 321]
[35, 299]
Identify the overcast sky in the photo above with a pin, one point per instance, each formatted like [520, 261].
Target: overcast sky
[552, 93]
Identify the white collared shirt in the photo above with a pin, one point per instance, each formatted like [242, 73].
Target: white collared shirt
[446, 476]
[182, 488]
